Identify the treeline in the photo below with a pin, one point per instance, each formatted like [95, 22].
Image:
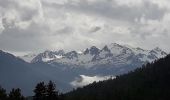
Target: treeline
[41, 92]
[15, 94]
[47, 92]
[151, 82]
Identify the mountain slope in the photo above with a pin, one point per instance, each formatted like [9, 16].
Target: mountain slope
[151, 82]
[28, 58]
[16, 73]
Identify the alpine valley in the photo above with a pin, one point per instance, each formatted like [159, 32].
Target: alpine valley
[68, 69]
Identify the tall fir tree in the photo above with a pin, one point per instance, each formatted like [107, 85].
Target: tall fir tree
[40, 91]
[52, 94]
[15, 94]
[3, 95]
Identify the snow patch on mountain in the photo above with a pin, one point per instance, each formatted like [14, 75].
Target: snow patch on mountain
[28, 58]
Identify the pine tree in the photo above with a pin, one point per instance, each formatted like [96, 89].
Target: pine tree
[3, 95]
[15, 94]
[52, 94]
[40, 91]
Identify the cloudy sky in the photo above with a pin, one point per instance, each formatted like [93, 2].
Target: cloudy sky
[37, 25]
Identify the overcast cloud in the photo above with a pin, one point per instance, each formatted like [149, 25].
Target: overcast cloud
[37, 25]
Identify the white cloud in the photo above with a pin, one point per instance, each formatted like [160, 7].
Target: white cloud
[161, 3]
[129, 2]
[36, 25]
[85, 80]
[1, 26]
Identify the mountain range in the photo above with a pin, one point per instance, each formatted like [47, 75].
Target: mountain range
[64, 68]
[116, 57]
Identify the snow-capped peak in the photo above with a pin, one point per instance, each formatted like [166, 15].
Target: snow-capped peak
[59, 52]
[86, 51]
[94, 50]
[157, 49]
[71, 55]
[158, 52]
[113, 54]
[48, 56]
[105, 48]
[117, 49]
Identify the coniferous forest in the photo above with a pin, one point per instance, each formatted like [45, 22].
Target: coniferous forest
[150, 82]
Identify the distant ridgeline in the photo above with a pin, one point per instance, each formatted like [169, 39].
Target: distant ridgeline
[151, 82]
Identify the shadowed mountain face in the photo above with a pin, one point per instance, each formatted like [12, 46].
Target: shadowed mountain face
[63, 68]
[151, 82]
[15, 72]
